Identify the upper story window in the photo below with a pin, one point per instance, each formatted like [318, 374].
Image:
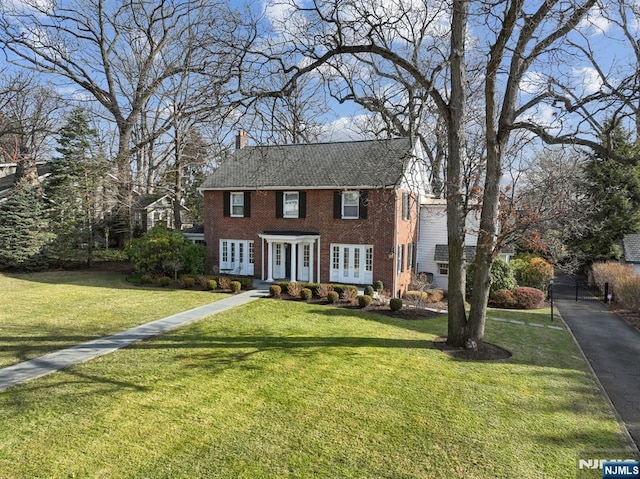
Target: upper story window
[350, 204]
[290, 204]
[237, 204]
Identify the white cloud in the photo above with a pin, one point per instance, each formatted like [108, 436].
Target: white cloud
[347, 128]
[589, 79]
[595, 22]
[533, 82]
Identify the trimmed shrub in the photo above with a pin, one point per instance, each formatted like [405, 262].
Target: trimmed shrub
[364, 300]
[349, 295]
[235, 286]
[201, 281]
[417, 296]
[527, 298]
[436, 295]
[502, 298]
[323, 290]
[368, 291]
[306, 294]
[146, 279]
[188, 282]
[294, 289]
[224, 283]
[332, 297]
[275, 291]
[341, 288]
[378, 286]
[212, 284]
[536, 274]
[164, 281]
[395, 304]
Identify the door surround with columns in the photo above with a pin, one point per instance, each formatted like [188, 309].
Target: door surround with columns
[297, 240]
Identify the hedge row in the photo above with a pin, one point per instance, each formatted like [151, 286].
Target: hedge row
[316, 288]
[517, 298]
[210, 283]
[624, 283]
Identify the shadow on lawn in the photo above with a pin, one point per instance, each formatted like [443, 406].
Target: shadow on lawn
[86, 277]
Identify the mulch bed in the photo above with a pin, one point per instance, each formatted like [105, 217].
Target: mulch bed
[484, 352]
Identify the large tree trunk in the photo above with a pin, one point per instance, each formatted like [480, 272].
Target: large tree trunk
[457, 325]
[485, 245]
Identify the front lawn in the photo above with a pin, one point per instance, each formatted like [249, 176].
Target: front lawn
[44, 312]
[286, 389]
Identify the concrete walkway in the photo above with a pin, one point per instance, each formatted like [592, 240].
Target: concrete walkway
[35, 368]
[612, 348]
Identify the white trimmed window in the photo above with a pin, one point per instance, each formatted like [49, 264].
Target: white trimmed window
[443, 269]
[237, 205]
[350, 205]
[290, 204]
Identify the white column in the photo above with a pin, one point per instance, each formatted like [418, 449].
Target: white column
[262, 258]
[318, 272]
[294, 261]
[269, 262]
[311, 246]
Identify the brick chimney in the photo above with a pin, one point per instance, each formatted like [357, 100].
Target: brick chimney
[241, 140]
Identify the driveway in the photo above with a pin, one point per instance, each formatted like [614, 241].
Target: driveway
[611, 346]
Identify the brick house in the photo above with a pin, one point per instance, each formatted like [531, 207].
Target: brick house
[343, 212]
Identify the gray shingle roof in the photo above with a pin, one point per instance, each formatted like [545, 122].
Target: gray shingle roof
[442, 253]
[375, 163]
[631, 247]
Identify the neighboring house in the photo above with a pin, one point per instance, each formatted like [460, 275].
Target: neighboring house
[195, 234]
[433, 252]
[631, 251]
[8, 177]
[151, 210]
[342, 212]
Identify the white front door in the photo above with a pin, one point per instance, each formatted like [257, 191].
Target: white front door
[279, 266]
[304, 262]
[352, 263]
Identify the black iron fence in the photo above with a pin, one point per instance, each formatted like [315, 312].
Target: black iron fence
[581, 290]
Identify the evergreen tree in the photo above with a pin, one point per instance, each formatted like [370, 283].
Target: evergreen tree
[23, 232]
[74, 184]
[612, 202]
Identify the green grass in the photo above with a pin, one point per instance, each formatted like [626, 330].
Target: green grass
[284, 389]
[43, 312]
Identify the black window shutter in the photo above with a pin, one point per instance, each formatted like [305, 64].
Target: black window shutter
[337, 205]
[363, 204]
[279, 204]
[247, 204]
[302, 204]
[226, 204]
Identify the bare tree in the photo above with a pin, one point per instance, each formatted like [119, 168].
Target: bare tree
[29, 116]
[120, 52]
